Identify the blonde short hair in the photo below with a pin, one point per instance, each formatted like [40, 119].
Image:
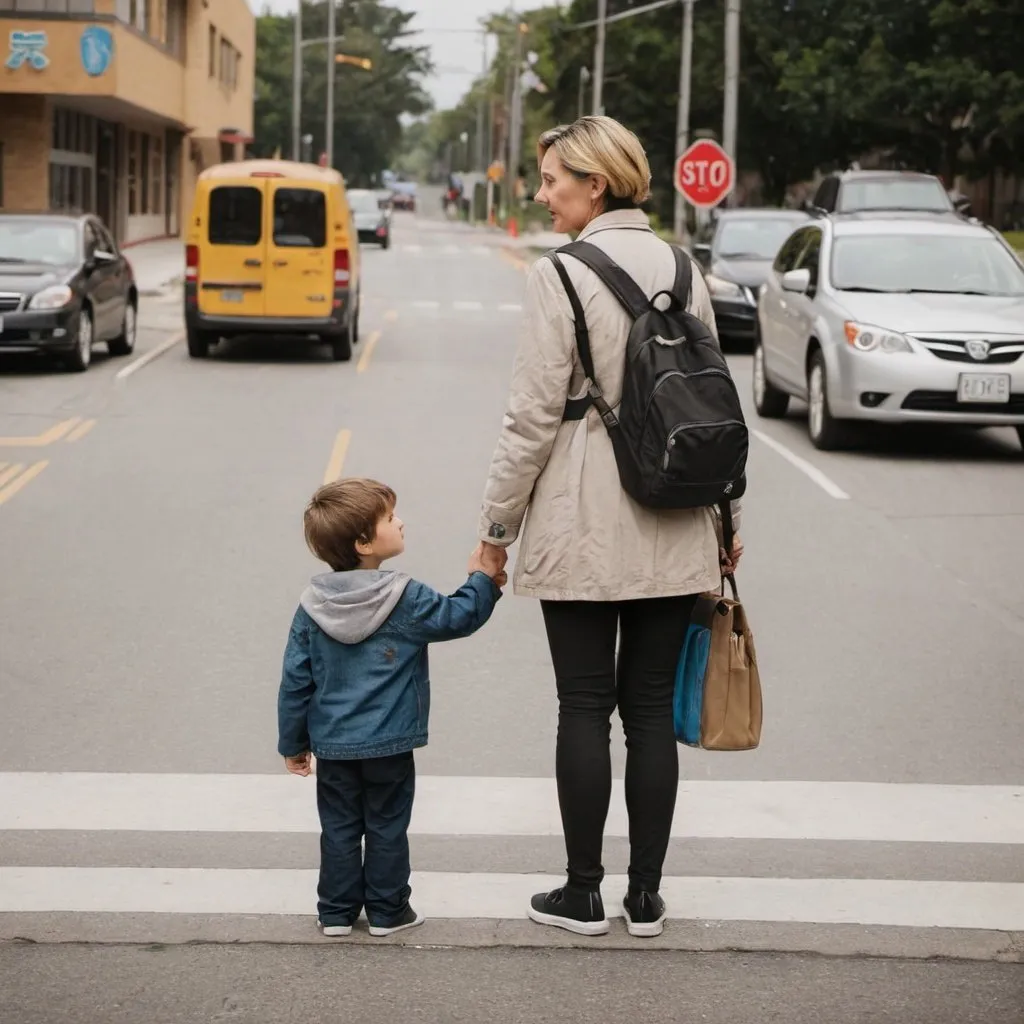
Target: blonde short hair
[600, 145]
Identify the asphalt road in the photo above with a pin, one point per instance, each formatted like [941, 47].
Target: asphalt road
[152, 557]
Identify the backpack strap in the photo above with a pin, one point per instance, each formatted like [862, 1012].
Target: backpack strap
[684, 276]
[630, 295]
[576, 408]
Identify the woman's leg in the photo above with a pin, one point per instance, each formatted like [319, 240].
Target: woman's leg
[653, 632]
[581, 635]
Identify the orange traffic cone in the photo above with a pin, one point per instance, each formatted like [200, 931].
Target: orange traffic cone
[513, 228]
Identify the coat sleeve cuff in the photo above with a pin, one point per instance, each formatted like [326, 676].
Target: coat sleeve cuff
[494, 531]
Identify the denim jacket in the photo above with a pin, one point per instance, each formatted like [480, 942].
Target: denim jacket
[355, 681]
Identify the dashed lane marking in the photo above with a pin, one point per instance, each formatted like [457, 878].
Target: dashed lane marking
[364, 359]
[145, 360]
[80, 431]
[829, 486]
[55, 433]
[336, 462]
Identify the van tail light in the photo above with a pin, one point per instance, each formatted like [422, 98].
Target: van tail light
[341, 267]
[191, 263]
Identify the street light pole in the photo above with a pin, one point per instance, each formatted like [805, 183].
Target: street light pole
[602, 14]
[297, 84]
[732, 80]
[331, 44]
[584, 78]
[480, 161]
[683, 113]
[516, 138]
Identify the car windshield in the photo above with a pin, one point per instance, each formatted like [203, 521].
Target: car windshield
[942, 264]
[758, 238]
[363, 202]
[894, 194]
[38, 241]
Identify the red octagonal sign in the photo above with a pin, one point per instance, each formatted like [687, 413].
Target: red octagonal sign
[705, 174]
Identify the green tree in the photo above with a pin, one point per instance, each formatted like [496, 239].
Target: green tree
[368, 105]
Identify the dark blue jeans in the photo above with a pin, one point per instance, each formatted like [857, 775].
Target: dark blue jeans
[369, 799]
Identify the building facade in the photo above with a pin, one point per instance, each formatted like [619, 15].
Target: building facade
[115, 106]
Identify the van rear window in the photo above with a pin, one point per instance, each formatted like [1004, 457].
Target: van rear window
[236, 215]
[300, 218]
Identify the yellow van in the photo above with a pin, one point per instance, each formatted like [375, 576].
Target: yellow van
[271, 248]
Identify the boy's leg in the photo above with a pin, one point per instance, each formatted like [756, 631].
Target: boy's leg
[339, 799]
[390, 783]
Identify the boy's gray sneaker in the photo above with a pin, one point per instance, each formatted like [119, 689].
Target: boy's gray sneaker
[334, 931]
[410, 919]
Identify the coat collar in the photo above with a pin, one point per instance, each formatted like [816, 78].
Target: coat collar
[616, 219]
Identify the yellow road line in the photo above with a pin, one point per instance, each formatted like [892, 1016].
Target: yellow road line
[364, 359]
[24, 480]
[55, 433]
[81, 430]
[337, 459]
[9, 472]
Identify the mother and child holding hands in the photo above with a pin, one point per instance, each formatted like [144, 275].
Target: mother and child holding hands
[617, 581]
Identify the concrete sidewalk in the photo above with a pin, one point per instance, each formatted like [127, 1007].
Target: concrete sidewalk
[159, 265]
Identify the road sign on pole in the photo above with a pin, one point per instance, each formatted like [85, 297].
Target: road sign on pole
[705, 174]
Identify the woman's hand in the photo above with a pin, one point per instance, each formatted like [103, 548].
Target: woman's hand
[489, 559]
[728, 562]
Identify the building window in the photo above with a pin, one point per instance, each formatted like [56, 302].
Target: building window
[156, 175]
[174, 12]
[1, 175]
[213, 52]
[133, 173]
[138, 15]
[145, 168]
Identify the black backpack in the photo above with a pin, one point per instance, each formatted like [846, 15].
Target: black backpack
[679, 436]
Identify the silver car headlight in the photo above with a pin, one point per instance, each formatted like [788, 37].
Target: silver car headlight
[868, 338]
[722, 289]
[56, 297]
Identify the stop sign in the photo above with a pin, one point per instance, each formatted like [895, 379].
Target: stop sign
[705, 174]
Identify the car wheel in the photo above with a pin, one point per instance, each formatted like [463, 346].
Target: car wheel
[1020, 436]
[341, 344]
[198, 343]
[768, 400]
[124, 343]
[79, 358]
[827, 433]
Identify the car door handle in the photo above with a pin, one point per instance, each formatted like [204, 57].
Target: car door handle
[280, 263]
[254, 263]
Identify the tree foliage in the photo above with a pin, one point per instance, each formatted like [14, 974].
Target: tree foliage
[368, 105]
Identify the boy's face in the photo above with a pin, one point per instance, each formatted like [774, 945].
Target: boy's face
[389, 540]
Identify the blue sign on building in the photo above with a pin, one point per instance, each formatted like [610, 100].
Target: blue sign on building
[27, 48]
[97, 50]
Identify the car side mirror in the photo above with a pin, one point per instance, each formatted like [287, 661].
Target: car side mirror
[702, 253]
[798, 281]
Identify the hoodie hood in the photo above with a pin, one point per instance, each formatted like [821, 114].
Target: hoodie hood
[350, 606]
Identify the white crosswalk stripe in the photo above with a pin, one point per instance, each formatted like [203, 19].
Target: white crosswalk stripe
[513, 810]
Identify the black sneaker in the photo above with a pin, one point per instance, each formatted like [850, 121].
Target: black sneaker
[408, 920]
[579, 912]
[645, 914]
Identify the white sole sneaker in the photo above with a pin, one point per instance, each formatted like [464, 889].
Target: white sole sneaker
[570, 925]
[645, 929]
[334, 931]
[379, 931]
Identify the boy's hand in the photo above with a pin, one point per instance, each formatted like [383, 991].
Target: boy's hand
[300, 764]
[501, 579]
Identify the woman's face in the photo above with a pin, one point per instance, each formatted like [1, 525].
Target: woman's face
[572, 202]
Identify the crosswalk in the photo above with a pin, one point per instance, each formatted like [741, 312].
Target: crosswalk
[134, 808]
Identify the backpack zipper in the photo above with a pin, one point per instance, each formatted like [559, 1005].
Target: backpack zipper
[670, 443]
[711, 371]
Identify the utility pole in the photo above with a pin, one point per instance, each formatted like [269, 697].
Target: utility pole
[584, 78]
[732, 80]
[516, 135]
[297, 85]
[480, 160]
[683, 113]
[602, 15]
[331, 46]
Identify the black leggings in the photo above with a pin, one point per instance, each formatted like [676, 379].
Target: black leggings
[582, 635]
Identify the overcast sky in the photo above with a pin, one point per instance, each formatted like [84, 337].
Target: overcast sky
[457, 55]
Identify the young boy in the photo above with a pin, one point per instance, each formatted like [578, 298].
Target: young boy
[355, 693]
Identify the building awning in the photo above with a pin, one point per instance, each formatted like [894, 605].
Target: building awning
[235, 136]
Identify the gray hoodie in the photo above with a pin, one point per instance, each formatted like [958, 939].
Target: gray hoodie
[350, 606]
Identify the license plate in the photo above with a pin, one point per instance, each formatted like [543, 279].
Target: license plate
[232, 295]
[983, 387]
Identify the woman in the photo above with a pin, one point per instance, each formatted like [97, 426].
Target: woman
[603, 567]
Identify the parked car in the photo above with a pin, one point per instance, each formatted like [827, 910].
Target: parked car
[736, 256]
[893, 318]
[64, 286]
[867, 191]
[272, 249]
[373, 222]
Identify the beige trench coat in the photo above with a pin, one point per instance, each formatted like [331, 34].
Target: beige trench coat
[585, 538]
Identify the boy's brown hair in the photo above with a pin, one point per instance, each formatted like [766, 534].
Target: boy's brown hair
[341, 513]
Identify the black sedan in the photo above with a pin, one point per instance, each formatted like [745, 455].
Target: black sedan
[736, 255]
[64, 286]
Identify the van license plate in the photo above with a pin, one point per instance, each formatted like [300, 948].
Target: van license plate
[232, 295]
[983, 387]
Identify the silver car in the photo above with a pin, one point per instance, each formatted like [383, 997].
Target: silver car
[893, 318]
[372, 219]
